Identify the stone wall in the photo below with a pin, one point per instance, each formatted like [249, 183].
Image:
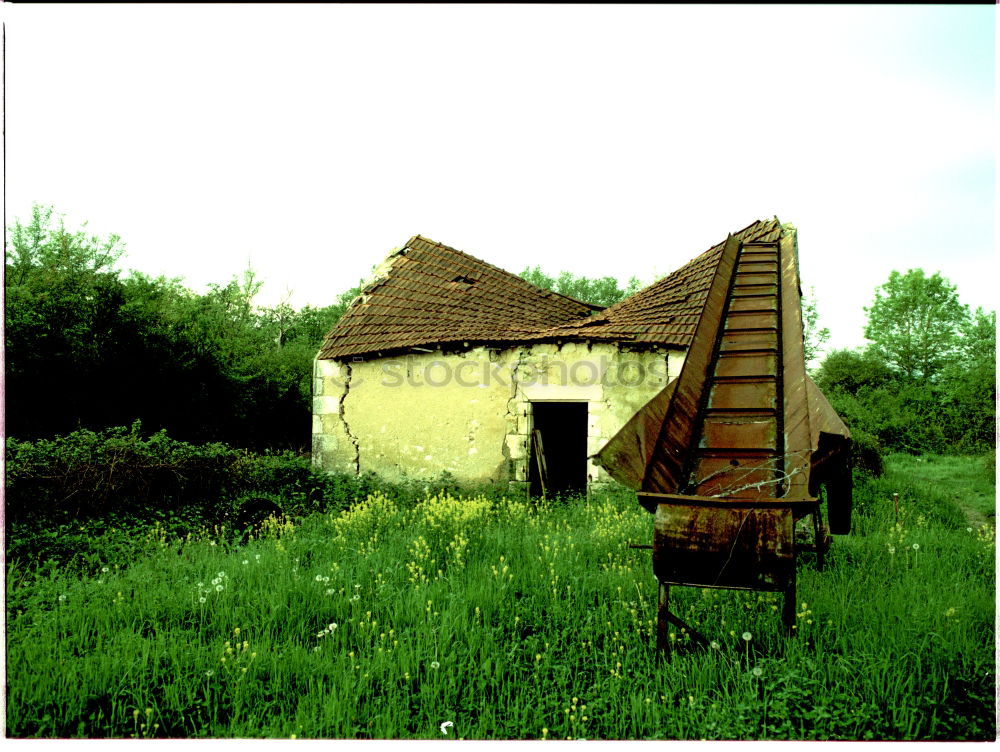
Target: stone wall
[469, 413]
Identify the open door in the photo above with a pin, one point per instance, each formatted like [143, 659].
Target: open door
[558, 448]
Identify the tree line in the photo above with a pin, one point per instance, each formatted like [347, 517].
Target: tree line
[89, 346]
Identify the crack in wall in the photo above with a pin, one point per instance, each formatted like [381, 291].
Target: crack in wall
[343, 419]
[512, 412]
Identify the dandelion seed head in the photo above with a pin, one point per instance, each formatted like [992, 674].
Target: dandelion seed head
[105, 569]
[219, 588]
[62, 597]
[757, 671]
[202, 599]
[916, 546]
[435, 665]
[715, 645]
[332, 626]
[747, 636]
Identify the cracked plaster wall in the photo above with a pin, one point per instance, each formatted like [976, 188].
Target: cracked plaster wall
[469, 413]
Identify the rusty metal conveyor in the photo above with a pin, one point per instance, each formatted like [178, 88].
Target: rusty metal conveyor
[731, 454]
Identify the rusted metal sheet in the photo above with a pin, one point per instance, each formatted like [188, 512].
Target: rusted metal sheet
[797, 447]
[627, 453]
[720, 474]
[822, 417]
[712, 544]
[739, 432]
[750, 340]
[830, 460]
[670, 450]
[754, 393]
[746, 363]
[751, 319]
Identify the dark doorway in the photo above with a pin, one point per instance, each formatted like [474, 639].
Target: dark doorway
[562, 430]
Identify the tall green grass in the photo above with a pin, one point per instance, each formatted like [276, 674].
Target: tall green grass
[511, 620]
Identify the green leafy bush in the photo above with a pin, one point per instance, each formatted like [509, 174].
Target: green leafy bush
[866, 454]
[60, 491]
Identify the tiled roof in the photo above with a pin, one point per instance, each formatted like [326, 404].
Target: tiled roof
[427, 293]
[666, 312]
[430, 294]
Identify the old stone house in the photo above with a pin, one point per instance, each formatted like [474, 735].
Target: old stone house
[446, 363]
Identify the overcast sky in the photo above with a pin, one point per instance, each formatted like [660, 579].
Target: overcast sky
[310, 140]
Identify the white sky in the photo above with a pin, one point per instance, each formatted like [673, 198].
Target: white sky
[602, 139]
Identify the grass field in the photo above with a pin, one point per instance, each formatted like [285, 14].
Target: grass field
[512, 620]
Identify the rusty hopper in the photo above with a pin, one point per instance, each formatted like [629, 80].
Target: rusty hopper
[733, 452]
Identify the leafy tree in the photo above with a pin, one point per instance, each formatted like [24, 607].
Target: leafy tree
[915, 324]
[979, 336]
[850, 371]
[603, 291]
[969, 387]
[54, 251]
[813, 338]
